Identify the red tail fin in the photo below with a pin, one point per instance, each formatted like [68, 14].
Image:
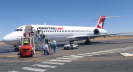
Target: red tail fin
[100, 23]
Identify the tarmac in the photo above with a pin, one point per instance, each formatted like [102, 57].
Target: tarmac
[99, 56]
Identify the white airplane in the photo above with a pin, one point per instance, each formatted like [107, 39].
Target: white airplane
[61, 33]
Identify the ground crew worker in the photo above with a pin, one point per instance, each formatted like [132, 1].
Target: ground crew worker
[16, 49]
[45, 49]
[53, 46]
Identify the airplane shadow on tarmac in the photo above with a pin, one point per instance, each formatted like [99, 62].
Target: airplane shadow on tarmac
[101, 42]
[82, 43]
[117, 42]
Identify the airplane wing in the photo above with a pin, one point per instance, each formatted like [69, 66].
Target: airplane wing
[83, 37]
[122, 34]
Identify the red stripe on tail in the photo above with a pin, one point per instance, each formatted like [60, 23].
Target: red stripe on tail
[100, 23]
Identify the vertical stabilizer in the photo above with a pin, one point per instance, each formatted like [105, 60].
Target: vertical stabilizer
[100, 23]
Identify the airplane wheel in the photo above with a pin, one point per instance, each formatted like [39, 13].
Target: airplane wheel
[87, 42]
[20, 55]
[31, 54]
[66, 48]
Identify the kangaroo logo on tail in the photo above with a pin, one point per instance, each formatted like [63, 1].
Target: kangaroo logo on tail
[100, 23]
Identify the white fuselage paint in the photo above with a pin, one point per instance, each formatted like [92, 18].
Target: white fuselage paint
[58, 33]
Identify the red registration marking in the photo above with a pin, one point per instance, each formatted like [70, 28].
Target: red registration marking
[60, 28]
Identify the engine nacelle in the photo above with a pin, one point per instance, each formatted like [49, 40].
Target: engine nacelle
[96, 31]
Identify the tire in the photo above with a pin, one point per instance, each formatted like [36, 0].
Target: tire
[16, 49]
[66, 48]
[76, 47]
[32, 53]
[21, 55]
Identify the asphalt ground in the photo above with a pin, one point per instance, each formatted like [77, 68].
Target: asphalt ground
[99, 56]
[108, 63]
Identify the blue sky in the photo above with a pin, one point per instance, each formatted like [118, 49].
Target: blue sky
[14, 13]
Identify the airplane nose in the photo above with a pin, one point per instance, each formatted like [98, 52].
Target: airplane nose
[12, 36]
[9, 37]
[6, 38]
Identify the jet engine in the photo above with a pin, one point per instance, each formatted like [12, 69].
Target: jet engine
[96, 32]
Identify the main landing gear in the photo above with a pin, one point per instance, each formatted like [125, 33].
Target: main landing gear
[87, 42]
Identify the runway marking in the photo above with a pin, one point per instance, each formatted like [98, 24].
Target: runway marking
[88, 55]
[76, 56]
[34, 69]
[80, 54]
[73, 56]
[62, 58]
[44, 66]
[13, 71]
[57, 60]
[55, 63]
[118, 50]
[126, 54]
[68, 58]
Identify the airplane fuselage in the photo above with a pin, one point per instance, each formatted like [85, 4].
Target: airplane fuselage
[58, 33]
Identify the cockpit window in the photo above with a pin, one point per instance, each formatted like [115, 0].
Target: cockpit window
[19, 29]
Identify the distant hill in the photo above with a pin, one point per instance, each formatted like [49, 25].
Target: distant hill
[2, 43]
[114, 37]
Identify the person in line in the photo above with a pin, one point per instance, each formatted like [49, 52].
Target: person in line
[46, 40]
[50, 49]
[46, 49]
[53, 46]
